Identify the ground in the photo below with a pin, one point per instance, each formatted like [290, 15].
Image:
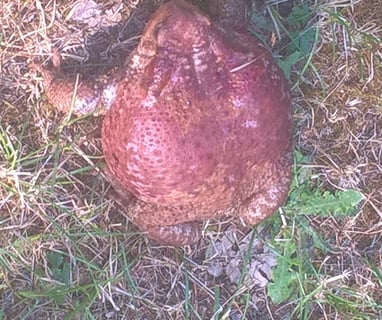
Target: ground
[67, 251]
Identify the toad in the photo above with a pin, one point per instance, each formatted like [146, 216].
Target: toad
[198, 124]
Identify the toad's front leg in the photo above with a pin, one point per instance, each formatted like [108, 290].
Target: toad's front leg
[176, 235]
[274, 180]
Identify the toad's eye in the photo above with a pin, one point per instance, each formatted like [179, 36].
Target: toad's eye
[155, 30]
[149, 42]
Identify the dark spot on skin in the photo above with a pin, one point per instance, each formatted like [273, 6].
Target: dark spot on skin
[115, 159]
[156, 153]
[209, 156]
[197, 144]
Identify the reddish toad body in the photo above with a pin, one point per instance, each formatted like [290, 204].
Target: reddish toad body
[200, 127]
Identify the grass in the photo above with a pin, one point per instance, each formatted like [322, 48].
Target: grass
[67, 252]
[296, 277]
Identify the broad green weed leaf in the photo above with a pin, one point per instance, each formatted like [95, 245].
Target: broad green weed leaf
[351, 197]
[302, 41]
[316, 238]
[284, 281]
[65, 274]
[341, 203]
[287, 63]
[299, 15]
[283, 288]
[55, 259]
[306, 40]
[284, 278]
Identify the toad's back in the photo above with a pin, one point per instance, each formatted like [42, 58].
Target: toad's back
[196, 117]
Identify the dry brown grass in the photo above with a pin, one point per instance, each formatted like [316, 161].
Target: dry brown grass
[53, 197]
[344, 124]
[341, 127]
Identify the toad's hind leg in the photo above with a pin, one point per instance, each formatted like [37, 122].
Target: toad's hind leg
[69, 94]
[275, 186]
[176, 235]
[155, 220]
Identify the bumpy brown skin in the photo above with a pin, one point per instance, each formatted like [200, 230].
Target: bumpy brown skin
[200, 128]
